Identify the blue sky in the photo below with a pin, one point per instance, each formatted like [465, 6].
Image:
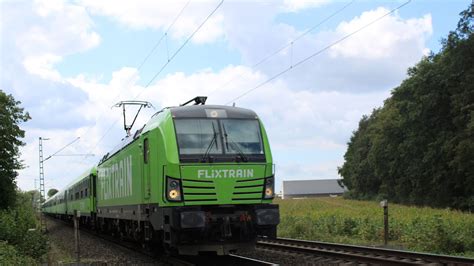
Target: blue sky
[69, 62]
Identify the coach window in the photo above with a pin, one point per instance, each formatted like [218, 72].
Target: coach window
[82, 194]
[145, 151]
[85, 193]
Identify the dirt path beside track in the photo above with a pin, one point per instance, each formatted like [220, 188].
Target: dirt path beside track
[94, 251]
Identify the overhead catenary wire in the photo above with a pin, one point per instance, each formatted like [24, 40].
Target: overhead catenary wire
[58, 151]
[182, 46]
[170, 59]
[290, 44]
[164, 35]
[317, 53]
[304, 33]
[145, 59]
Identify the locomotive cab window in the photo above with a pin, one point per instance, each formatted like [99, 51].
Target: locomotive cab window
[219, 140]
[242, 136]
[198, 136]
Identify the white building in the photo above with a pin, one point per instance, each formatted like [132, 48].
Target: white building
[311, 188]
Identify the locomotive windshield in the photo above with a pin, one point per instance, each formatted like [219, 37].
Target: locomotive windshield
[195, 136]
[241, 136]
[219, 140]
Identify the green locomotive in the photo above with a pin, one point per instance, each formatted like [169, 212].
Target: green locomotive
[194, 178]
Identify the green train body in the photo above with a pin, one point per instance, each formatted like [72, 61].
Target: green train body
[194, 178]
[55, 204]
[79, 196]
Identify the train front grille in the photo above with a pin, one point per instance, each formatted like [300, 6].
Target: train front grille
[199, 191]
[205, 192]
[248, 190]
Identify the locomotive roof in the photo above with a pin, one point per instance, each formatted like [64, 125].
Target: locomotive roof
[188, 111]
[92, 170]
[73, 182]
[212, 111]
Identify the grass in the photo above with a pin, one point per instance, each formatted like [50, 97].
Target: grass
[339, 220]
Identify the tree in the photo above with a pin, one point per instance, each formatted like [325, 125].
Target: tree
[418, 148]
[11, 115]
[52, 192]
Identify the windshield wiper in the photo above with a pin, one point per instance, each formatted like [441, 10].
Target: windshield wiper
[235, 145]
[206, 156]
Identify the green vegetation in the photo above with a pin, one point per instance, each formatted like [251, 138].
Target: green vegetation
[361, 222]
[418, 148]
[10, 256]
[18, 244]
[20, 241]
[52, 192]
[11, 115]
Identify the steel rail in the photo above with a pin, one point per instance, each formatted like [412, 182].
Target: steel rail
[360, 253]
[228, 260]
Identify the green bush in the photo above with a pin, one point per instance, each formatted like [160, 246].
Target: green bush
[10, 256]
[14, 224]
[18, 240]
[34, 244]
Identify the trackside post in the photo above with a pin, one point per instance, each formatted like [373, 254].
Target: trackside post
[76, 216]
[384, 205]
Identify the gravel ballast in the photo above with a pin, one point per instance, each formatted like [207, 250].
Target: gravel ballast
[93, 249]
[97, 251]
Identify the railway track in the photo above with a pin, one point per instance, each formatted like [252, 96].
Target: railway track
[340, 253]
[173, 260]
[221, 260]
[228, 260]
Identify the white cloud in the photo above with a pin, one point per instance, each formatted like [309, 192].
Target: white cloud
[42, 66]
[159, 15]
[309, 113]
[53, 27]
[298, 5]
[35, 37]
[323, 169]
[375, 58]
[384, 39]
[46, 8]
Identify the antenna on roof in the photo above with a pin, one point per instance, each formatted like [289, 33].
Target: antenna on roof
[125, 103]
[197, 100]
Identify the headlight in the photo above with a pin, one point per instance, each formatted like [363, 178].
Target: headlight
[268, 193]
[173, 189]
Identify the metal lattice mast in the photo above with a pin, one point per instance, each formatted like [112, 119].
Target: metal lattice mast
[41, 175]
[41, 184]
[35, 197]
